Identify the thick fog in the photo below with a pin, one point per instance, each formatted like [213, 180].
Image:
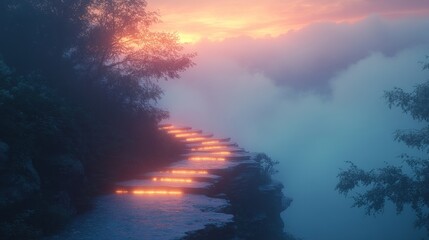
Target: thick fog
[312, 99]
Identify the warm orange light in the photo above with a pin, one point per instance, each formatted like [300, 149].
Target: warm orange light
[210, 142]
[182, 135]
[189, 172]
[156, 192]
[207, 148]
[181, 180]
[206, 159]
[121, 191]
[166, 127]
[188, 38]
[221, 153]
[195, 139]
[176, 131]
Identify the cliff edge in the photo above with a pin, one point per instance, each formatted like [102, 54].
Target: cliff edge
[255, 200]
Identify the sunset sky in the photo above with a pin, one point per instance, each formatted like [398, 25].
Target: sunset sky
[220, 19]
[311, 98]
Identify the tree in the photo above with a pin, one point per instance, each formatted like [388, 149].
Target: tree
[78, 86]
[118, 50]
[266, 166]
[391, 183]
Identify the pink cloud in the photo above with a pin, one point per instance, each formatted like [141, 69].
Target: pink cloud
[217, 20]
[309, 58]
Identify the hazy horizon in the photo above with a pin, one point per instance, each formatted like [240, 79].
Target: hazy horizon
[312, 99]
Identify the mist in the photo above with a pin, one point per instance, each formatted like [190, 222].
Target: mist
[311, 103]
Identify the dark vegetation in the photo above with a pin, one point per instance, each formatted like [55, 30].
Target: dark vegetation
[78, 83]
[399, 185]
[266, 167]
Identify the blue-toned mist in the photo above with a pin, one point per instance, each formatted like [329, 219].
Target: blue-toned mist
[312, 99]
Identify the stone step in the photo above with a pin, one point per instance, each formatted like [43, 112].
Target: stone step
[159, 184]
[214, 157]
[146, 187]
[207, 177]
[183, 131]
[171, 127]
[219, 143]
[216, 147]
[204, 137]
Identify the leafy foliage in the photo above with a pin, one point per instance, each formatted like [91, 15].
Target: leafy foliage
[78, 87]
[391, 183]
[266, 165]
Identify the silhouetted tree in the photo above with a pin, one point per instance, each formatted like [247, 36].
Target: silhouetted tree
[266, 166]
[391, 183]
[78, 87]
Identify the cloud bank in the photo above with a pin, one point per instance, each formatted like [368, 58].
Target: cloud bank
[308, 59]
[313, 122]
[220, 19]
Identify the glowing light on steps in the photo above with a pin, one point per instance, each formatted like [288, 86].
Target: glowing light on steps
[179, 180]
[166, 127]
[207, 148]
[121, 191]
[183, 135]
[149, 192]
[195, 139]
[176, 131]
[221, 153]
[189, 172]
[206, 159]
[156, 192]
[210, 142]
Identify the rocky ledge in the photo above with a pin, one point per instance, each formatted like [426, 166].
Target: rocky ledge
[255, 200]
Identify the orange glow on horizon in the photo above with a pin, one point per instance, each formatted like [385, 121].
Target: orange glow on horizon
[181, 180]
[206, 159]
[218, 20]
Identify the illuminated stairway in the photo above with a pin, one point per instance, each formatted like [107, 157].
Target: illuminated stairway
[180, 198]
[195, 172]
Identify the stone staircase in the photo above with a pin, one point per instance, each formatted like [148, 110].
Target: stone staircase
[196, 171]
[213, 191]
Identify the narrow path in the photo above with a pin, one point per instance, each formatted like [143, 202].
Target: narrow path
[166, 204]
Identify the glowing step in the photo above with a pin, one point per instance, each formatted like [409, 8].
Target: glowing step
[166, 179]
[172, 127]
[214, 152]
[215, 141]
[208, 156]
[149, 192]
[210, 143]
[179, 131]
[193, 137]
[206, 159]
[180, 173]
[196, 175]
[209, 148]
[149, 183]
[209, 165]
[199, 172]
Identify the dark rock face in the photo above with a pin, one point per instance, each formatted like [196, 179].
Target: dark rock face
[255, 202]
